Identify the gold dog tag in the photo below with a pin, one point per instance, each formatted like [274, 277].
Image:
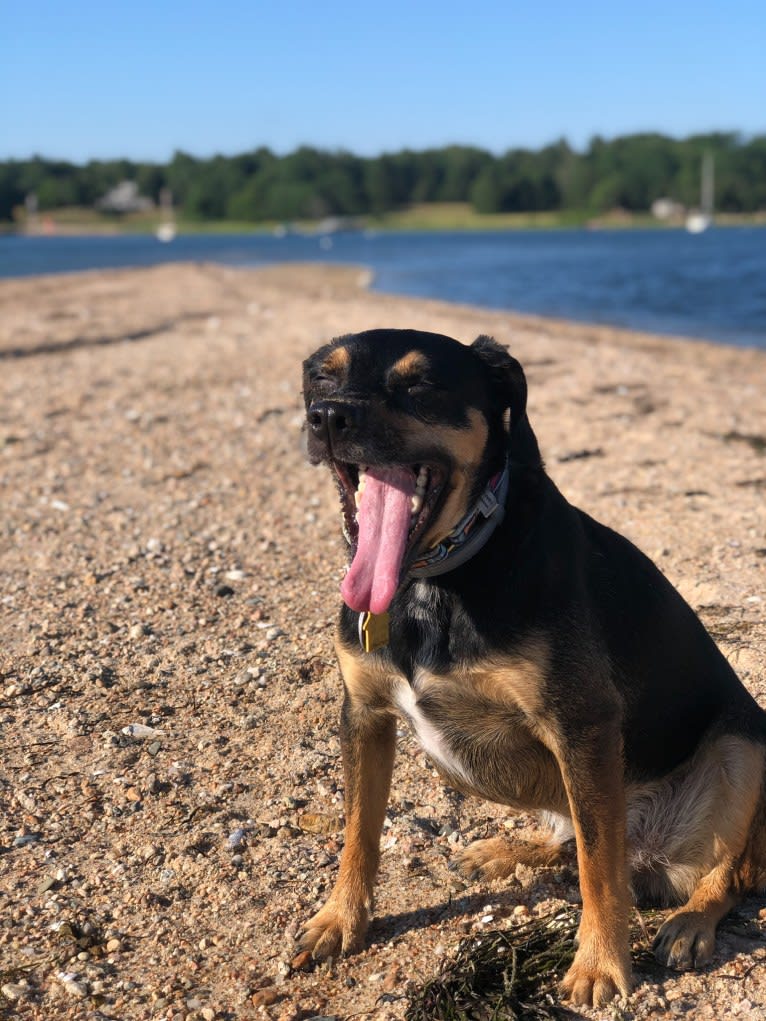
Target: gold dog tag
[373, 630]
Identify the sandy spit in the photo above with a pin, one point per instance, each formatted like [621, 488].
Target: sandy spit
[170, 785]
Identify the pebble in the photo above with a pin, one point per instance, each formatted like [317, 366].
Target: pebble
[264, 997]
[113, 946]
[140, 731]
[236, 839]
[14, 991]
[23, 839]
[274, 633]
[45, 884]
[71, 985]
[392, 979]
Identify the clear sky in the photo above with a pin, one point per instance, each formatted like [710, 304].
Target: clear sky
[81, 80]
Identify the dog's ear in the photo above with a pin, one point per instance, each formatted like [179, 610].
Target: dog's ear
[509, 384]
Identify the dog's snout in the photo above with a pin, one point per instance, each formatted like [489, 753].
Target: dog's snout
[333, 421]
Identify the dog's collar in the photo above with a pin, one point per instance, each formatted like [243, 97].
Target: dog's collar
[470, 534]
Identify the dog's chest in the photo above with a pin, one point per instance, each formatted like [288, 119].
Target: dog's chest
[435, 739]
[475, 733]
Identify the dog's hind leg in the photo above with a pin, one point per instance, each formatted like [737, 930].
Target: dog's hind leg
[497, 857]
[733, 835]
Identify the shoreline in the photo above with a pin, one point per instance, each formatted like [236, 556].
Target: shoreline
[170, 560]
[362, 277]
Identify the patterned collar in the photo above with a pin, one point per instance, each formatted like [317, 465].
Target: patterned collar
[470, 534]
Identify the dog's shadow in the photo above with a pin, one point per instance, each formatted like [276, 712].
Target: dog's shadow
[742, 931]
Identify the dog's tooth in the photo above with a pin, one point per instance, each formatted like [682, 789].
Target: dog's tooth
[416, 502]
[358, 497]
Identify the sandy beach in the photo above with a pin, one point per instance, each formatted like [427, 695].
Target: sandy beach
[170, 786]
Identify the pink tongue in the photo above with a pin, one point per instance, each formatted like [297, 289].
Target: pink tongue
[384, 522]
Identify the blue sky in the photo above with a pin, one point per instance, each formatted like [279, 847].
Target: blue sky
[81, 80]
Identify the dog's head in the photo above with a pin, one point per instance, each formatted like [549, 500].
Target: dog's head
[413, 425]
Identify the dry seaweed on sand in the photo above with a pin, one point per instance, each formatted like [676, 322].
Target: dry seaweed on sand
[514, 974]
[502, 975]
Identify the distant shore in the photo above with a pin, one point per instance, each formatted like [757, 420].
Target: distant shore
[427, 216]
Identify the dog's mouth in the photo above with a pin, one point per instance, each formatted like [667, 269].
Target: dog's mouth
[386, 510]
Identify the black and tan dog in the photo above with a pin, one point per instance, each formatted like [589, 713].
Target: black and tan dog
[542, 660]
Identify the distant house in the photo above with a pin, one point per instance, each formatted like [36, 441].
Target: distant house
[124, 198]
[667, 209]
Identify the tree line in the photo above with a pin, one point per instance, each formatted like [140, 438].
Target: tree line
[629, 172]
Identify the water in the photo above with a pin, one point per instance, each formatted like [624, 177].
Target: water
[663, 281]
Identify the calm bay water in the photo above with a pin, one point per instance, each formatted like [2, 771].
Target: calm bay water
[664, 281]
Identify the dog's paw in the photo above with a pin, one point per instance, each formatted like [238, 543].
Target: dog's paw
[335, 930]
[495, 858]
[596, 983]
[685, 940]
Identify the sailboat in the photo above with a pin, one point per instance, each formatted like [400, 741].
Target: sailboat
[700, 219]
[167, 229]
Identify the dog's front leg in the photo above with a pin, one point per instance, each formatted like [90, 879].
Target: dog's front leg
[592, 767]
[368, 738]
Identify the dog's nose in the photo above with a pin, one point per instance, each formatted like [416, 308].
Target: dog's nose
[333, 421]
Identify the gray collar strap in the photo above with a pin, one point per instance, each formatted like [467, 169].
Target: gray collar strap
[470, 534]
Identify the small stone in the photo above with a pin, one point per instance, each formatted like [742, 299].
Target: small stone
[45, 884]
[138, 631]
[140, 732]
[23, 839]
[273, 633]
[14, 991]
[133, 794]
[224, 591]
[236, 839]
[392, 979]
[208, 1014]
[113, 945]
[72, 986]
[264, 997]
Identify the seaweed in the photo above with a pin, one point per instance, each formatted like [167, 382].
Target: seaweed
[512, 974]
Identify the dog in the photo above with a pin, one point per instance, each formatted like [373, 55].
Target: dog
[540, 658]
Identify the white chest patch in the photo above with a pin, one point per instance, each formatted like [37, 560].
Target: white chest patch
[429, 737]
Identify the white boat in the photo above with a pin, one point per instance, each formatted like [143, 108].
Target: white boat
[167, 229]
[166, 232]
[700, 219]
